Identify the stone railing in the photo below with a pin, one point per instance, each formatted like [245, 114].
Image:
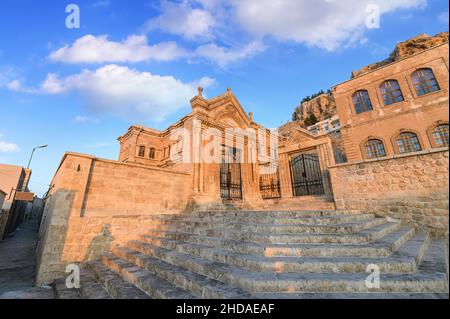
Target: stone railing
[412, 188]
[95, 203]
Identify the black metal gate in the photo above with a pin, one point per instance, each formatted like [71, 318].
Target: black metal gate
[230, 174]
[306, 175]
[269, 181]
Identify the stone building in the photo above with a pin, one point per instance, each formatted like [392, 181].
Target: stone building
[218, 206]
[13, 180]
[398, 107]
[250, 181]
[394, 122]
[329, 125]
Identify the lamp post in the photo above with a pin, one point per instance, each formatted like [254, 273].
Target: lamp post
[31, 157]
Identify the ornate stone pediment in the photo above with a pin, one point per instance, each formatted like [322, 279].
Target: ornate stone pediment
[228, 121]
[299, 137]
[229, 112]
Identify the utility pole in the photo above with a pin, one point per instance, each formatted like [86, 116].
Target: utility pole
[34, 149]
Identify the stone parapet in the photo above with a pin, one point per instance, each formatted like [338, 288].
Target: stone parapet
[94, 203]
[412, 188]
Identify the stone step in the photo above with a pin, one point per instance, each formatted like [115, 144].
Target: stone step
[196, 283]
[434, 258]
[115, 285]
[152, 285]
[381, 248]
[402, 261]
[262, 219]
[203, 228]
[258, 214]
[62, 292]
[89, 288]
[362, 237]
[423, 281]
[344, 295]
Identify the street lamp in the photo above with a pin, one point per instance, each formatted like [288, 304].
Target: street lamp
[42, 146]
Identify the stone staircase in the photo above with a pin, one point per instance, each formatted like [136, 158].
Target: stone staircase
[287, 254]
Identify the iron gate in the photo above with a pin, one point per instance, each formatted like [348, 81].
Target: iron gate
[269, 182]
[306, 175]
[230, 174]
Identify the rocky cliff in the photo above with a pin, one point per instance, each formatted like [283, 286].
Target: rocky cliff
[315, 110]
[405, 49]
[321, 106]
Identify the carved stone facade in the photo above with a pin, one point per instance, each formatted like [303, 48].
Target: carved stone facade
[150, 147]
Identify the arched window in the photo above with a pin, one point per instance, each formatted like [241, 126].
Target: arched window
[408, 142]
[361, 101]
[152, 153]
[424, 81]
[141, 151]
[391, 92]
[374, 148]
[440, 135]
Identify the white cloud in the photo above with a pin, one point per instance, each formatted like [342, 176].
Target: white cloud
[224, 56]
[322, 23]
[125, 92]
[184, 20]
[6, 147]
[7, 74]
[17, 86]
[92, 49]
[14, 85]
[327, 24]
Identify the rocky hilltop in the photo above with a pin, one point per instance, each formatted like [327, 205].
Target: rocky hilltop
[314, 110]
[321, 106]
[405, 49]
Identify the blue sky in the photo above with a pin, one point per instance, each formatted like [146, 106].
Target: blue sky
[140, 62]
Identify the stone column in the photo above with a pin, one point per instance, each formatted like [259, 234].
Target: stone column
[326, 160]
[285, 176]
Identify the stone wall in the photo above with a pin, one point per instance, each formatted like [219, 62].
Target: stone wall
[2, 198]
[95, 203]
[412, 188]
[3, 214]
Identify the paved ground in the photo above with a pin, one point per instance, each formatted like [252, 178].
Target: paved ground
[18, 265]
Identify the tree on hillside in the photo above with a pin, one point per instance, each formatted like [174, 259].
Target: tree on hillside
[311, 120]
